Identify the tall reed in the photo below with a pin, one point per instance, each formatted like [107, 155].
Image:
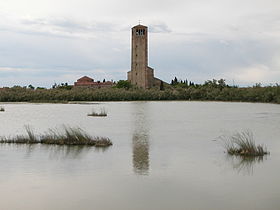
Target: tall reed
[243, 144]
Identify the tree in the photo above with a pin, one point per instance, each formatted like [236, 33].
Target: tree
[175, 81]
[54, 86]
[31, 87]
[222, 83]
[123, 84]
[40, 88]
[257, 85]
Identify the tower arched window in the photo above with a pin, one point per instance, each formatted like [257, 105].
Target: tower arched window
[140, 32]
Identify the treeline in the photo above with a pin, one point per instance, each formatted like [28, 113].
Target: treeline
[209, 91]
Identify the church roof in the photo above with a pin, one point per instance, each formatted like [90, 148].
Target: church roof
[85, 78]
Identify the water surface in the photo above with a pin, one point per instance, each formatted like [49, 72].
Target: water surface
[165, 156]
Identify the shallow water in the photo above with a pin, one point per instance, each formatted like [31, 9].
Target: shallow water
[165, 156]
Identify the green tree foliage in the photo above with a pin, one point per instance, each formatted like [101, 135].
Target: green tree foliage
[62, 86]
[31, 87]
[123, 84]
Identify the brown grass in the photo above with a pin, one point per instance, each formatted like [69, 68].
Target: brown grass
[69, 136]
[243, 144]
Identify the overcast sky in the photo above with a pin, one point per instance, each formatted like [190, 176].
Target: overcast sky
[47, 41]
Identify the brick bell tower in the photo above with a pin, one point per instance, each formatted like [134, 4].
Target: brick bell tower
[141, 74]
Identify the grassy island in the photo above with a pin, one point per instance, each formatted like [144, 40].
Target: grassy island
[243, 144]
[70, 136]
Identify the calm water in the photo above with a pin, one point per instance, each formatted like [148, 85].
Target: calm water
[165, 156]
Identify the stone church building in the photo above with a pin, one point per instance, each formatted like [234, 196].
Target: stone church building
[141, 74]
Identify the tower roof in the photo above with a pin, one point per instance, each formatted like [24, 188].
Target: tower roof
[140, 26]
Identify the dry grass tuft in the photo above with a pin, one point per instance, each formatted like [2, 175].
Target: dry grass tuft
[243, 144]
[69, 136]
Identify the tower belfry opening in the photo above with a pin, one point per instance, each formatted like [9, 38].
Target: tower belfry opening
[141, 74]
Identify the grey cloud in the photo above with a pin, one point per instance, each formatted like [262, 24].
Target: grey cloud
[83, 26]
[255, 26]
[42, 53]
[212, 58]
[159, 28]
[67, 24]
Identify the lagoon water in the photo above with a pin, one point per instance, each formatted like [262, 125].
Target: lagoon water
[166, 155]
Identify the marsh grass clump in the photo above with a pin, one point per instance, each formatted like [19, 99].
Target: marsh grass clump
[2, 109]
[243, 144]
[102, 113]
[102, 142]
[73, 136]
[69, 136]
[30, 138]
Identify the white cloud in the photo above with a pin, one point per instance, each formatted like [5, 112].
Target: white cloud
[159, 28]
[10, 69]
[255, 74]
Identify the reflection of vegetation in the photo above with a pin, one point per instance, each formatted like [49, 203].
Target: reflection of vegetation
[216, 90]
[242, 144]
[102, 113]
[244, 164]
[67, 152]
[2, 109]
[70, 136]
[57, 151]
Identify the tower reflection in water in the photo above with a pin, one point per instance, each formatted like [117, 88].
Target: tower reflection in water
[140, 141]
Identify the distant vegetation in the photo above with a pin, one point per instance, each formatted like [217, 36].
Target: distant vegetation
[102, 113]
[212, 90]
[123, 84]
[242, 144]
[70, 136]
